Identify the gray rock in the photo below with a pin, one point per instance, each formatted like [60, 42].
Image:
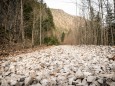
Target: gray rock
[12, 68]
[92, 84]
[6, 64]
[112, 84]
[13, 82]
[87, 73]
[38, 84]
[78, 82]
[61, 79]
[21, 83]
[65, 65]
[84, 82]
[91, 78]
[96, 83]
[1, 77]
[39, 78]
[79, 74]
[6, 69]
[44, 82]
[113, 78]
[7, 73]
[4, 82]
[100, 80]
[113, 68]
[22, 79]
[71, 80]
[28, 81]
[53, 81]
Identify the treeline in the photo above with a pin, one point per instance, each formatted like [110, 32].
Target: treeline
[25, 21]
[98, 27]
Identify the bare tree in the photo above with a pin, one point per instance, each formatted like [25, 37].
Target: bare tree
[41, 21]
[33, 29]
[114, 7]
[21, 24]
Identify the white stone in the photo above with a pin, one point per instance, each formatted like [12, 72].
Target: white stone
[62, 79]
[7, 73]
[28, 80]
[12, 68]
[44, 82]
[92, 84]
[13, 82]
[87, 73]
[96, 83]
[91, 78]
[71, 80]
[38, 84]
[84, 82]
[79, 74]
[100, 80]
[112, 84]
[39, 78]
[53, 81]
[62, 62]
[4, 82]
[113, 67]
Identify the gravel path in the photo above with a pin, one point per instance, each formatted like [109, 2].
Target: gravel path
[63, 65]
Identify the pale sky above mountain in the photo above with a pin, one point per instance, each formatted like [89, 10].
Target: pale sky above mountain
[65, 5]
[68, 6]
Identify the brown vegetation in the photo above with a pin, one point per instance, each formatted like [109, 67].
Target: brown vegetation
[66, 23]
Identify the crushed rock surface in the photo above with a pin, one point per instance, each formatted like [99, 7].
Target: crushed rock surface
[63, 65]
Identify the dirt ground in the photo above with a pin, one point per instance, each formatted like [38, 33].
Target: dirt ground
[17, 49]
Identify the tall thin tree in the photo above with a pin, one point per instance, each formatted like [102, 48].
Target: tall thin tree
[41, 21]
[21, 23]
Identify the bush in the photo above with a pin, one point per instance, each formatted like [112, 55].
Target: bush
[62, 37]
[51, 41]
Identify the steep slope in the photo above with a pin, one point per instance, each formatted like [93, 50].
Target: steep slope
[66, 23]
[62, 19]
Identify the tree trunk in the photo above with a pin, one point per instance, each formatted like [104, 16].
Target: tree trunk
[33, 29]
[40, 22]
[21, 25]
[114, 8]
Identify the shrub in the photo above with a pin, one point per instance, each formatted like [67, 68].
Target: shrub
[51, 41]
[62, 37]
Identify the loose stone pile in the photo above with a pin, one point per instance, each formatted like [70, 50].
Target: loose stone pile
[62, 65]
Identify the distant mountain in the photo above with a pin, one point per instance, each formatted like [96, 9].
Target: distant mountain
[66, 23]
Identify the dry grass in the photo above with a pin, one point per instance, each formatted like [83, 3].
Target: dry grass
[17, 49]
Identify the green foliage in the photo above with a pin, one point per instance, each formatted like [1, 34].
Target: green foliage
[27, 10]
[47, 19]
[62, 37]
[50, 17]
[10, 28]
[28, 32]
[46, 25]
[51, 41]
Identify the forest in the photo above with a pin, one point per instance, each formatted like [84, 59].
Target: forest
[45, 46]
[30, 23]
[99, 20]
[25, 23]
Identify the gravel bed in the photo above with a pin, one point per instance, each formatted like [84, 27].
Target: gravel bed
[63, 65]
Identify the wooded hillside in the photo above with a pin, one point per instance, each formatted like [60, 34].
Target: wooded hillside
[65, 26]
[25, 22]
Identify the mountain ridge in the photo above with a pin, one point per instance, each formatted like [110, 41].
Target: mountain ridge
[66, 23]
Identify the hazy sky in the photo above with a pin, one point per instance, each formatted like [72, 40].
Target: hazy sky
[63, 4]
[68, 6]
